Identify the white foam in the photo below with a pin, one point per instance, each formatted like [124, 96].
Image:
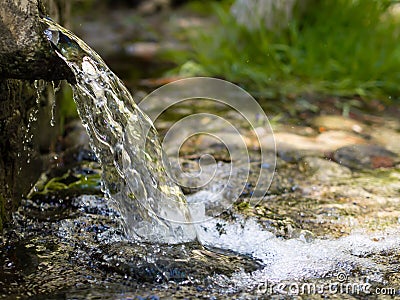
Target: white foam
[296, 259]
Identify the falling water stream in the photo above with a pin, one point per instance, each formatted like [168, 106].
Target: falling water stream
[126, 143]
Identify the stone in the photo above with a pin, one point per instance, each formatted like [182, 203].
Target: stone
[336, 122]
[25, 57]
[334, 139]
[360, 157]
[75, 135]
[24, 51]
[292, 146]
[388, 138]
[323, 169]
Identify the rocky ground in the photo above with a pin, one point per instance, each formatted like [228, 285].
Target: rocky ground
[335, 177]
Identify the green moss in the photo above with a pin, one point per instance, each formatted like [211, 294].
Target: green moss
[242, 205]
[74, 183]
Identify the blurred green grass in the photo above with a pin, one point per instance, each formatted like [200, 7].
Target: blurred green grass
[337, 47]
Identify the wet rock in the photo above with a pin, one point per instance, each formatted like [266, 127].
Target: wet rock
[303, 235]
[293, 156]
[335, 139]
[78, 154]
[176, 263]
[290, 141]
[360, 157]
[301, 130]
[75, 135]
[324, 170]
[292, 146]
[333, 122]
[285, 180]
[388, 138]
[202, 142]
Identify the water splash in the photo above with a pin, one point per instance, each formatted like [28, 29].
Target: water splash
[40, 86]
[125, 141]
[295, 259]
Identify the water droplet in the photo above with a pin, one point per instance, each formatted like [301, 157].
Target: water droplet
[52, 100]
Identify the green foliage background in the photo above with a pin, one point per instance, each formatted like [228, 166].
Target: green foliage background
[338, 47]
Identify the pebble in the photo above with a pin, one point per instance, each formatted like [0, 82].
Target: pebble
[290, 141]
[323, 169]
[333, 122]
[325, 142]
[75, 135]
[335, 139]
[360, 157]
[389, 138]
